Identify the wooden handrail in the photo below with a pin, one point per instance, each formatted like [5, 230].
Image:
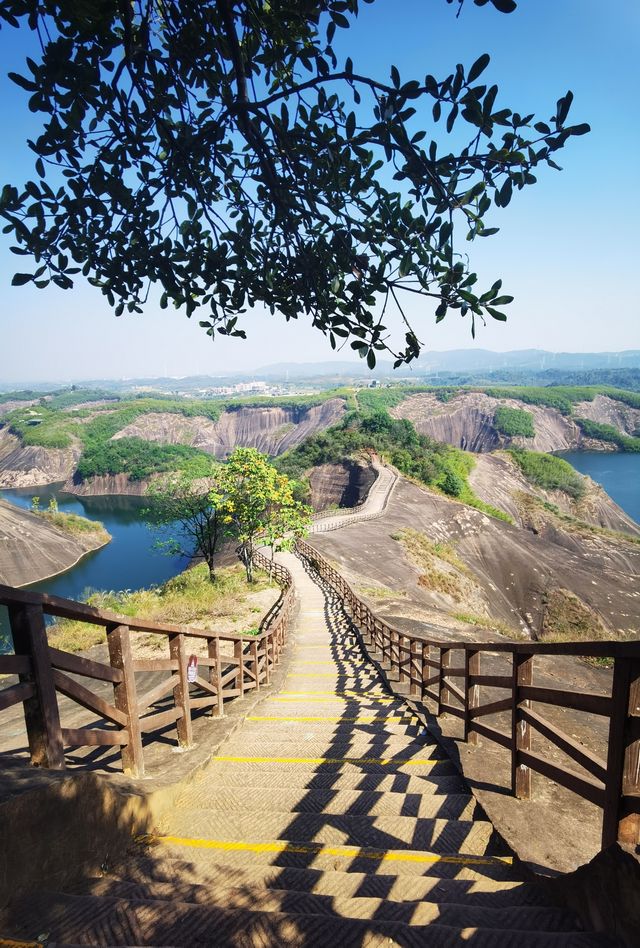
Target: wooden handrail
[43, 674]
[614, 786]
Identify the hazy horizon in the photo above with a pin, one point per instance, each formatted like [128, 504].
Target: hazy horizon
[565, 250]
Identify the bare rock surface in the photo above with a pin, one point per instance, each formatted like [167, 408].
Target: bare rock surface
[608, 411]
[467, 421]
[32, 549]
[498, 480]
[513, 569]
[31, 466]
[108, 484]
[344, 485]
[271, 430]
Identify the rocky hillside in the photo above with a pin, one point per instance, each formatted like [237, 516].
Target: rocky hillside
[340, 485]
[433, 564]
[467, 421]
[271, 430]
[33, 466]
[33, 547]
[497, 479]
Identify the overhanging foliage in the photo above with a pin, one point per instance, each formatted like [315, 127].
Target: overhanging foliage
[219, 149]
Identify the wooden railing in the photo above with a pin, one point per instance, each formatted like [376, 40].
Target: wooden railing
[454, 678]
[233, 666]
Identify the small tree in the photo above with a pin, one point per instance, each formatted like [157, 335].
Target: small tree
[191, 505]
[258, 504]
[35, 504]
[287, 521]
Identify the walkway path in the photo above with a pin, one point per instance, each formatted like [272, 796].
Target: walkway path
[330, 818]
[374, 505]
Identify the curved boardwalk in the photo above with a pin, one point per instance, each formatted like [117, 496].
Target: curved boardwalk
[329, 818]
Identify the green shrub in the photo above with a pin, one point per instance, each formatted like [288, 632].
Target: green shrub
[513, 422]
[549, 472]
[594, 429]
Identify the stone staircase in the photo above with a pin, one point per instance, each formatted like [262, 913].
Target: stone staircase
[330, 818]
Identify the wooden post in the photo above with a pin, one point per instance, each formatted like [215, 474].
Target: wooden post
[125, 697]
[471, 693]
[215, 674]
[621, 821]
[267, 660]
[415, 666]
[178, 651]
[404, 659]
[522, 674]
[444, 695]
[238, 654]
[254, 658]
[41, 714]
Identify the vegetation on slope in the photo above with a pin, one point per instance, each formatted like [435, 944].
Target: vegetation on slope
[49, 425]
[602, 432]
[187, 599]
[73, 525]
[138, 459]
[560, 397]
[513, 422]
[432, 463]
[549, 472]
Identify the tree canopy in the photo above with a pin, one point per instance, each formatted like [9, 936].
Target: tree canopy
[220, 150]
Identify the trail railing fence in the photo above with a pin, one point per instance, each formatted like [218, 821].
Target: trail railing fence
[233, 666]
[454, 678]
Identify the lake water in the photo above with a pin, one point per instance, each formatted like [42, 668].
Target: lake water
[618, 473]
[128, 562]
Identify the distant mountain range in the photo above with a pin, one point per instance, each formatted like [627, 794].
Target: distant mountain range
[470, 362]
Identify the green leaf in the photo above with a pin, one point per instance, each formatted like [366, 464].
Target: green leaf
[19, 279]
[395, 77]
[478, 67]
[371, 359]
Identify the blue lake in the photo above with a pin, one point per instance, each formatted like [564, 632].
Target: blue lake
[129, 561]
[618, 473]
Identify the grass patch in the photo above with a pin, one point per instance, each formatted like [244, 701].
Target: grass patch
[441, 569]
[187, 599]
[532, 507]
[380, 592]
[491, 625]
[73, 525]
[549, 472]
[567, 618]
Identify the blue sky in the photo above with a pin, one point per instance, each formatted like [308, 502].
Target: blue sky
[567, 250]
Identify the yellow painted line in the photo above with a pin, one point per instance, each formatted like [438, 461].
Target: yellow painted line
[347, 693]
[383, 761]
[318, 849]
[308, 698]
[363, 719]
[12, 943]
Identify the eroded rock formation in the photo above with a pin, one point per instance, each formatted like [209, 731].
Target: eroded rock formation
[467, 421]
[31, 548]
[340, 485]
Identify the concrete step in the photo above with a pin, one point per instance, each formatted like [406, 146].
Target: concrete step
[225, 775]
[295, 902]
[376, 747]
[352, 802]
[493, 885]
[105, 921]
[441, 836]
[237, 766]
